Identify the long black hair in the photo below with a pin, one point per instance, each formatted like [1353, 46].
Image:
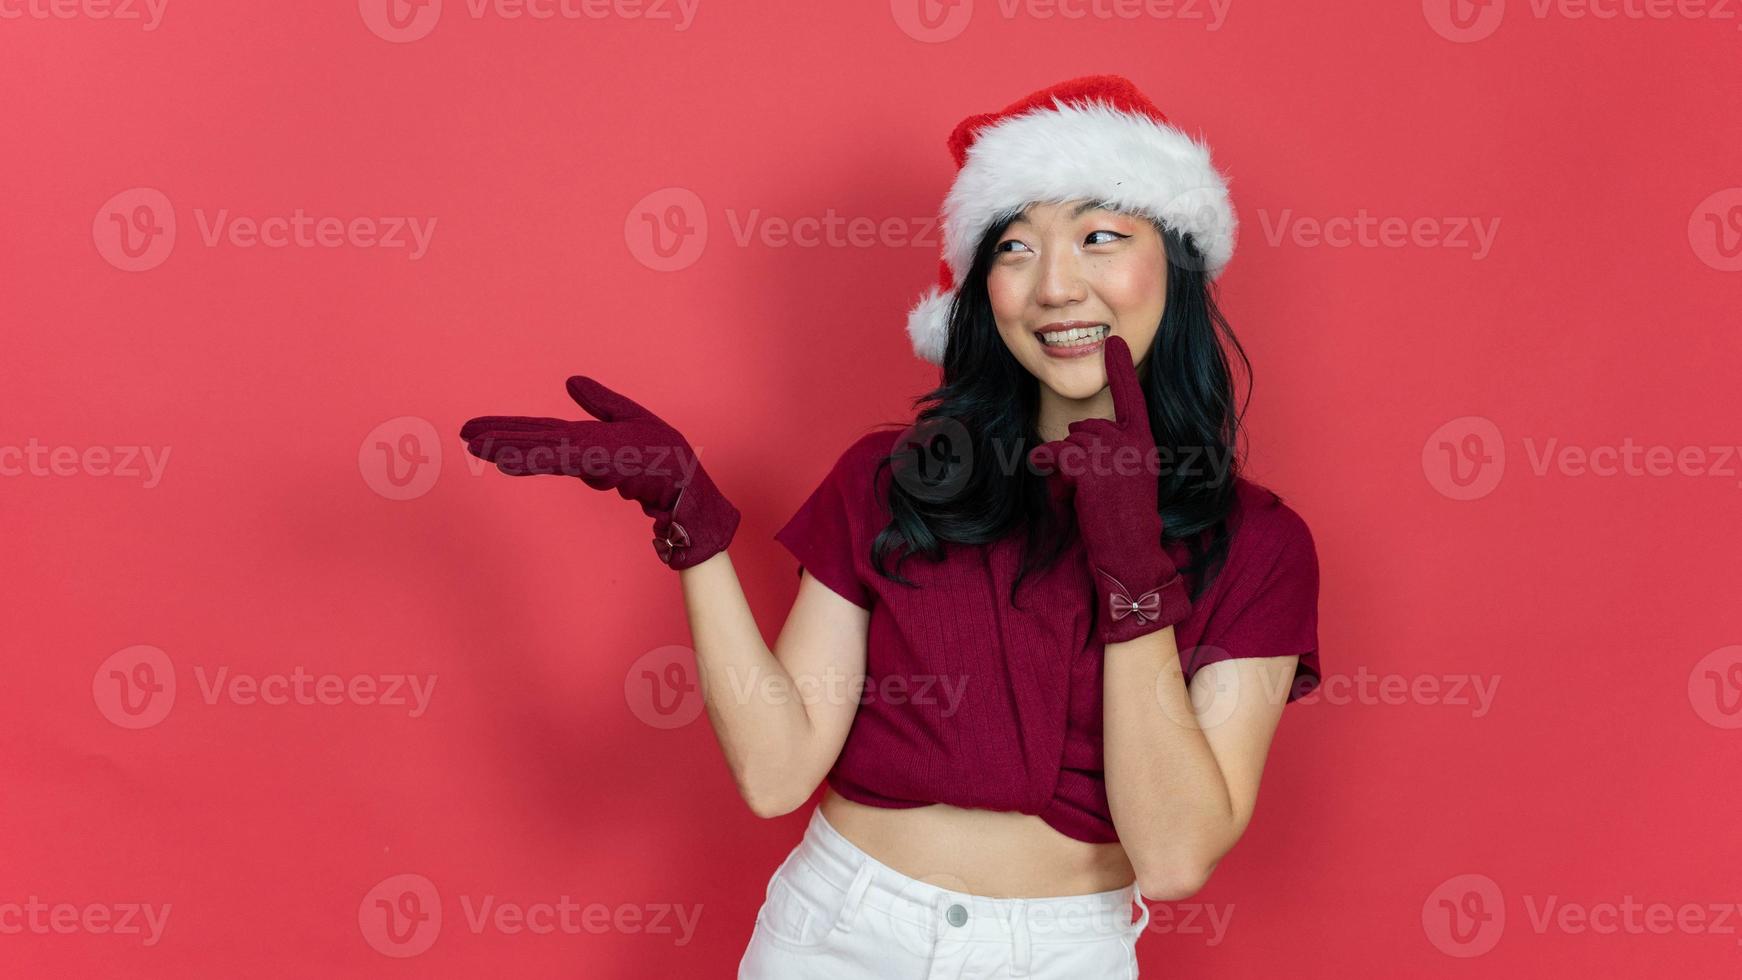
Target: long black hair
[988, 398]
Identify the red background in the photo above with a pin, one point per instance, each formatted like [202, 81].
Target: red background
[1603, 607]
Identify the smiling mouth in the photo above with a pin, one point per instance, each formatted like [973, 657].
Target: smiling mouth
[1073, 333]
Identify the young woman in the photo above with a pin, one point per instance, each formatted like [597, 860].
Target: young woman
[1044, 635]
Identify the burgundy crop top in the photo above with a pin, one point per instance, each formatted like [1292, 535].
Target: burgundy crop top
[974, 703]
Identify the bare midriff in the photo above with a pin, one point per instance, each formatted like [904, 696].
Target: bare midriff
[992, 853]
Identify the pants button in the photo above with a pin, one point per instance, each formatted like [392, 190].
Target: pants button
[957, 915]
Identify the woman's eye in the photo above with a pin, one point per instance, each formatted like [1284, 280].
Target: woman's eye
[1090, 240]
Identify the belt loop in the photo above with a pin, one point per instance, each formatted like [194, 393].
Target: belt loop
[1143, 921]
[855, 897]
[1021, 948]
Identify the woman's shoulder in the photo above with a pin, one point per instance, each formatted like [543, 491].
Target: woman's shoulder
[877, 441]
[1263, 524]
[854, 472]
[861, 457]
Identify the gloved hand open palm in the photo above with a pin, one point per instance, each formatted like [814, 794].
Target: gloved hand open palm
[629, 450]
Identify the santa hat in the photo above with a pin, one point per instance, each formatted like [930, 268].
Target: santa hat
[1093, 137]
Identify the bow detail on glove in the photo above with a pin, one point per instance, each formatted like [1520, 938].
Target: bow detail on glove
[675, 536]
[1147, 606]
[1101, 464]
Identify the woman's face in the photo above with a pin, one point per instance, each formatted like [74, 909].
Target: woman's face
[1073, 263]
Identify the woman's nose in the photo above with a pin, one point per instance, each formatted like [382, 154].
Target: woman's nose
[1061, 278]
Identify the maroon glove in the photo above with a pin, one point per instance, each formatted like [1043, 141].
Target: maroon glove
[1105, 467]
[631, 451]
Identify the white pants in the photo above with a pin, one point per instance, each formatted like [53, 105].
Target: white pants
[833, 912]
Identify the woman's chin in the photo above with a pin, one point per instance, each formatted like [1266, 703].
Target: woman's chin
[1075, 383]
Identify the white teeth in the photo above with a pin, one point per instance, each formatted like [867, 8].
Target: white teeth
[1074, 337]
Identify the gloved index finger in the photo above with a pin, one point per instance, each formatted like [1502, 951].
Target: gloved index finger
[1128, 400]
[508, 423]
[568, 437]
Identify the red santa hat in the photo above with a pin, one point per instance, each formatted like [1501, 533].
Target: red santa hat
[1093, 137]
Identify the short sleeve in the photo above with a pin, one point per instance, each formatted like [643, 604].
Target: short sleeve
[823, 534]
[1275, 604]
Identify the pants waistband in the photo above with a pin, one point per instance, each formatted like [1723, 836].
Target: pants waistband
[868, 882]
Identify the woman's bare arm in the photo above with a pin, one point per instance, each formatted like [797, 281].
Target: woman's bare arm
[781, 715]
[1182, 781]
